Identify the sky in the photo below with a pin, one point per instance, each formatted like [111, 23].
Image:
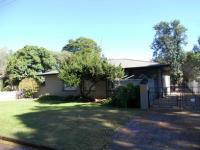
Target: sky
[123, 28]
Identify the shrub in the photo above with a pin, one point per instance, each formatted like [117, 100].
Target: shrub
[47, 98]
[7, 88]
[126, 96]
[29, 86]
[106, 102]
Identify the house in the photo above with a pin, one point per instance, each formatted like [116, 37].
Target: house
[134, 70]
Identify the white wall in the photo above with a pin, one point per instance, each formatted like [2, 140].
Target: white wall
[8, 96]
[166, 83]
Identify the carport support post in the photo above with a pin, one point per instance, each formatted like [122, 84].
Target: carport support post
[144, 104]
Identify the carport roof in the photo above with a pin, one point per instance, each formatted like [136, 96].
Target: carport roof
[131, 63]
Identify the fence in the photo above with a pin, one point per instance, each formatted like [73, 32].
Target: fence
[11, 95]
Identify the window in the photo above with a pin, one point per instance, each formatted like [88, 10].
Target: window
[69, 88]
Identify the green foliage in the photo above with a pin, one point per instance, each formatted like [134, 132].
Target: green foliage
[1, 84]
[60, 56]
[191, 67]
[27, 62]
[81, 43]
[87, 64]
[167, 46]
[29, 86]
[126, 96]
[3, 59]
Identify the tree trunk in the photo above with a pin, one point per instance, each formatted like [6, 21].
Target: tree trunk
[81, 86]
[90, 88]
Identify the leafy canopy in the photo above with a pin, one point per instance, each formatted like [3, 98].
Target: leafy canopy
[79, 44]
[87, 64]
[27, 62]
[5, 53]
[196, 47]
[191, 67]
[168, 45]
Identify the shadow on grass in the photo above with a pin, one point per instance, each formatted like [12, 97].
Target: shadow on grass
[80, 126]
[53, 99]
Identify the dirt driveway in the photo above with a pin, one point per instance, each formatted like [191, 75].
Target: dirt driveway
[160, 130]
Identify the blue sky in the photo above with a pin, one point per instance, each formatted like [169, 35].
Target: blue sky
[123, 28]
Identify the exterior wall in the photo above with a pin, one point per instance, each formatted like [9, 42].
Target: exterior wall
[166, 83]
[54, 86]
[99, 91]
[124, 82]
[8, 95]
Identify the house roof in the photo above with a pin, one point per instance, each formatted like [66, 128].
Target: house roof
[131, 63]
[125, 63]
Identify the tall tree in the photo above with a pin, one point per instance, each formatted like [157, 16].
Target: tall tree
[27, 62]
[168, 45]
[196, 47]
[87, 64]
[5, 53]
[81, 43]
[191, 67]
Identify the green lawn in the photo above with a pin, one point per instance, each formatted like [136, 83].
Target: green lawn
[63, 126]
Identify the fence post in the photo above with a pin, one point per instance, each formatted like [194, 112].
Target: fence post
[144, 98]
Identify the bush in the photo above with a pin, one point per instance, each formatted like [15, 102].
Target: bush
[47, 98]
[7, 88]
[126, 96]
[29, 86]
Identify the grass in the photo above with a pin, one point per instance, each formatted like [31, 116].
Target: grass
[62, 125]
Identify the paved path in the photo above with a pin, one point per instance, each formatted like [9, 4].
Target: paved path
[160, 130]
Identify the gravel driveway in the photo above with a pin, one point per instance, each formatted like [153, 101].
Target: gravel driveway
[160, 130]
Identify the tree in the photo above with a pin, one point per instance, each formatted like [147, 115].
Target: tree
[27, 63]
[81, 44]
[60, 56]
[5, 53]
[87, 64]
[196, 47]
[168, 47]
[191, 67]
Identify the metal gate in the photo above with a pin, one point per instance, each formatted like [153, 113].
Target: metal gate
[176, 97]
